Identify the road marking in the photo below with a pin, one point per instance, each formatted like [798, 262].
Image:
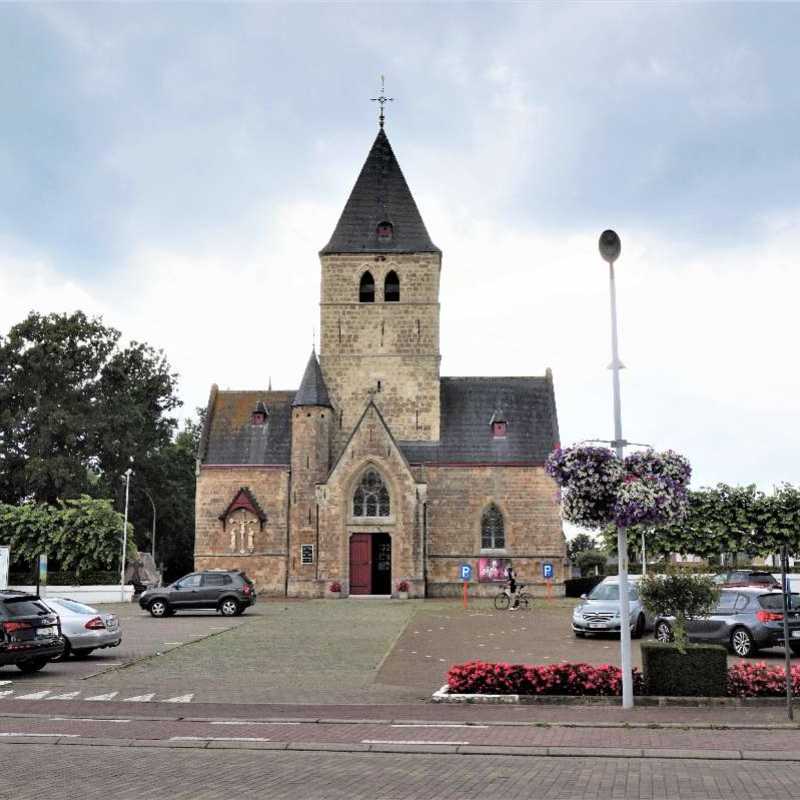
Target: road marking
[4, 683]
[85, 719]
[217, 739]
[34, 695]
[6, 693]
[248, 722]
[65, 696]
[406, 741]
[167, 644]
[67, 735]
[140, 698]
[436, 725]
[108, 696]
[181, 698]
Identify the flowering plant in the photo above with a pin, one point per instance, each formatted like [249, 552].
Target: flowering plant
[759, 680]
[402, 586]
[645, 488]
[335, 587]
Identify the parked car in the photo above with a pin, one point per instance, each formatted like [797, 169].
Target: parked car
[30, 633]
[744, 620]
[598, 611]
[747, 577]
[84, 628]
[228, 591]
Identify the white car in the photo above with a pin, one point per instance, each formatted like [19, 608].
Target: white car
[84, 628]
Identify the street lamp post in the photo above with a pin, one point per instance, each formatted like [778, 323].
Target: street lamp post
[610, 248]
[153, 536]
[128, 473]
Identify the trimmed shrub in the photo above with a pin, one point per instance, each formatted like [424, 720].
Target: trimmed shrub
[480, 677]
[699, 672]
[59, 578]
[575, 587]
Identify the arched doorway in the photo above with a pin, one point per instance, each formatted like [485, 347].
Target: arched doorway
[371, 553]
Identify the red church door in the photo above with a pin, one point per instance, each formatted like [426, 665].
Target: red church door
[361, 563]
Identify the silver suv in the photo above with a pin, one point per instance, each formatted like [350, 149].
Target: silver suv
[598, 612]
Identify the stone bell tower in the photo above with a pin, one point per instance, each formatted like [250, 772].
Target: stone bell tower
[379, 331]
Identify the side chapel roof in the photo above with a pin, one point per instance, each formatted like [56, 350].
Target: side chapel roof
[312, 391]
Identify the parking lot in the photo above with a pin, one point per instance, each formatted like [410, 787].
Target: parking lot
[347, 651]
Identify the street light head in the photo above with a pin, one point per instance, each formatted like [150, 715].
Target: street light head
[610, 246]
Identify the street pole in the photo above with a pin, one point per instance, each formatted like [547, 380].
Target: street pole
[153, 536]
[787, 602]
[128, 473]
[644, 557]
[610, 248]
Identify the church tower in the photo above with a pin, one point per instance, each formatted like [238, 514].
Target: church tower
[379, 332]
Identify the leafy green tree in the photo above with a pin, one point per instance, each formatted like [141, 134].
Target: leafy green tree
[588, 560]
[681, 596]
[579, 544]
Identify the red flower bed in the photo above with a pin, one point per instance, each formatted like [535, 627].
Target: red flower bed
[480, 677]
[759, 680]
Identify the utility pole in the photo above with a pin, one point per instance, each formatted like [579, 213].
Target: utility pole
[128, 473]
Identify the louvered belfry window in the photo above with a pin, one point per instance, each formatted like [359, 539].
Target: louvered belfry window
[371, 498]
[366, 288]
[493, 535]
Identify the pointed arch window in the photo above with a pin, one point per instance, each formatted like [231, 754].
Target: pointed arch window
[493, 534]
[371, 498]
[391, 288]
[366, 289]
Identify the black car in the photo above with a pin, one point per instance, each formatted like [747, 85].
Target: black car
[228, 591]
[30, 633]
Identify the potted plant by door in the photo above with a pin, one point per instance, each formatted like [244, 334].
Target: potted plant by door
[402, 590]
[334, 590]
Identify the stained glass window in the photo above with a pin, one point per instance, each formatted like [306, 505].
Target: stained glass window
[492, 530]
[371, 498]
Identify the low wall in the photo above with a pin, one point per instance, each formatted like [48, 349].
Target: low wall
[82, 594]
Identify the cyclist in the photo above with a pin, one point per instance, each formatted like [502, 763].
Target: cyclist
[511, 580]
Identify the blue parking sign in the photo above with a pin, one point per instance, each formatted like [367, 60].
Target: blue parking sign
[547, 570]
[466, 572]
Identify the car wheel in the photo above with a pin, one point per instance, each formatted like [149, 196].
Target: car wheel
[663, 632]
[158, 608]
[83, 652]
[742, 643]
[638, 628]
[65, 654]
[229, 607]
[31, 665]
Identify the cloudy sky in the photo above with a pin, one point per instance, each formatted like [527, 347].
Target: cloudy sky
[176, 168]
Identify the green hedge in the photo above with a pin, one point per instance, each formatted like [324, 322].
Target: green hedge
[700, 672]
[97, 578]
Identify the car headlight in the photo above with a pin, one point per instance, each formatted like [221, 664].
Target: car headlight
[577, 613]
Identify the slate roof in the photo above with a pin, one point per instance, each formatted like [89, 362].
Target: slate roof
[380, 194]
[467, 406]
[312, 391]
[229, 437]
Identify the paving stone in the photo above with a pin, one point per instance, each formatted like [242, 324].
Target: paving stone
[717, 755]
[218, 745]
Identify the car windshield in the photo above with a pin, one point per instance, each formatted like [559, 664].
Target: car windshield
[609, 591]
[774, 602]
[76, 608]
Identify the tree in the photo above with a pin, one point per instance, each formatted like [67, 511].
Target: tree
[579, 544]
[680, 596]
[591, 561]
[75, 406]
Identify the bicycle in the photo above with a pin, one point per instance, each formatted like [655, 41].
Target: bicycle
[503, 600]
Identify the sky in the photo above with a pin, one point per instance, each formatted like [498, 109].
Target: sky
[176, 168]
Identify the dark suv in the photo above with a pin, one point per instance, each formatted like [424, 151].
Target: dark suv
[30, 633]
[228, 591]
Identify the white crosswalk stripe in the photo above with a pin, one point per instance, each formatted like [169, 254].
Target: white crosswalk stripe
[6, 693]
[182, 698]
[46, 694]
[34, 695]
[65, 696]
[141, 698]
[107, 696]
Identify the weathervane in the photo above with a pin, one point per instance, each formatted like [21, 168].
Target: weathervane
[382, 100]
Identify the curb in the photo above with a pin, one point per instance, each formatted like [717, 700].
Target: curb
[444, 696]
[419, 749]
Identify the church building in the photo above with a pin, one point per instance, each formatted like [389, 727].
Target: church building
[378, 473]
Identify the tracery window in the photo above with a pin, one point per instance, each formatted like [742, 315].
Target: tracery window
[371, 498]
[493, 536]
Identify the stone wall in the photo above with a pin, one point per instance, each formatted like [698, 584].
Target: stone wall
[395, 343]
[219, 547]
[457, 497]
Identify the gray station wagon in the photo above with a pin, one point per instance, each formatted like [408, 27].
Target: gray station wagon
[744, 620]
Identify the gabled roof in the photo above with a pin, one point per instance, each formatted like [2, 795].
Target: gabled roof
[229, 437]
[312, 391]
[380, 194]
[467, 404]
[245, 499]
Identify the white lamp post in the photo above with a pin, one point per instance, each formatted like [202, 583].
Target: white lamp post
[128, 473]
[610, 248]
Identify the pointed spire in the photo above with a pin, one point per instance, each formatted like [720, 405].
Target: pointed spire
[312, 391]
[380, 215]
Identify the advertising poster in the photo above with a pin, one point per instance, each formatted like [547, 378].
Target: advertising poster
[492, 570]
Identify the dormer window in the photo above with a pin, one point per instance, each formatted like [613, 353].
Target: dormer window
[498, 424]
[384, 232]
[260, 414]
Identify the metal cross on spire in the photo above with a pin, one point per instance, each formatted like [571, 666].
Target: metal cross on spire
[382, 100]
